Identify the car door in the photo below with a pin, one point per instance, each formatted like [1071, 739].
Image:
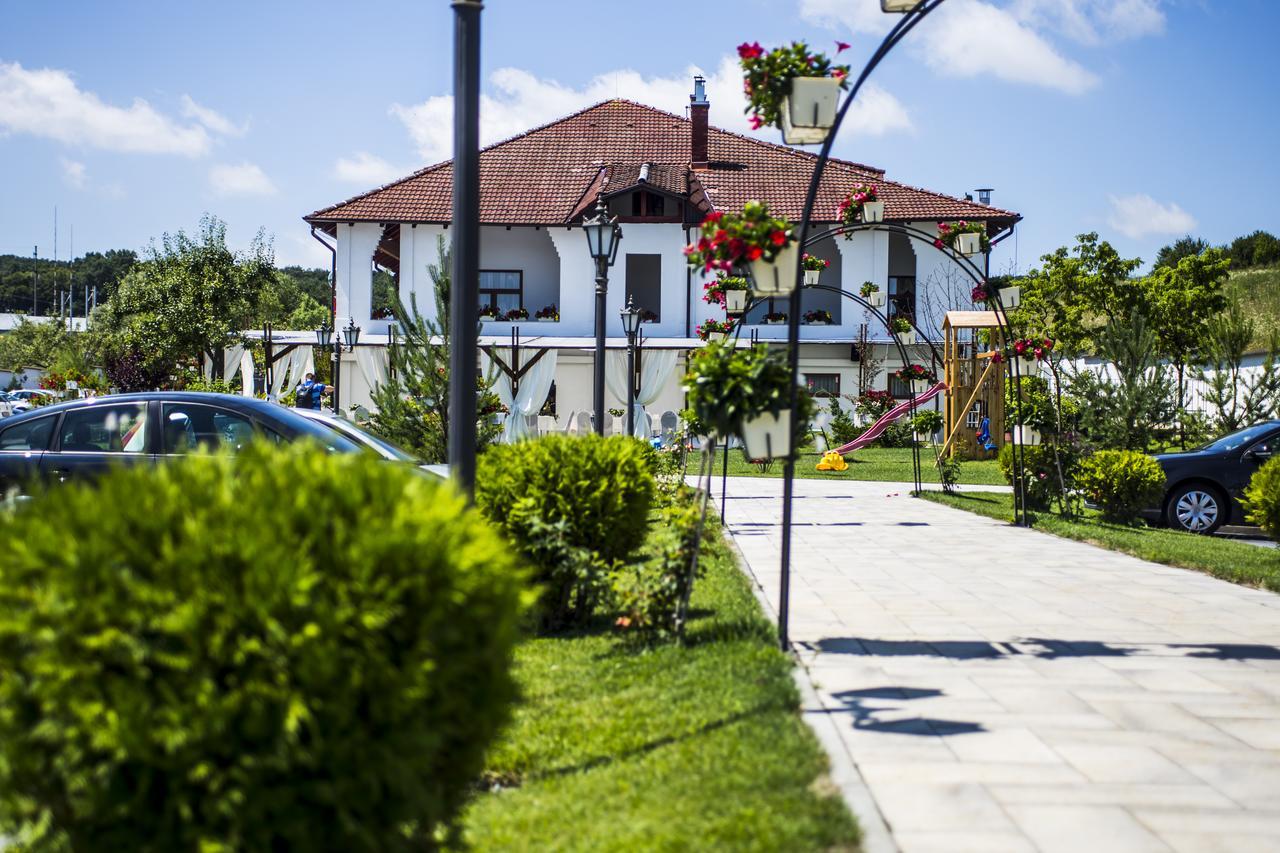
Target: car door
[21, 447]
[1249, 461]
[92, 439]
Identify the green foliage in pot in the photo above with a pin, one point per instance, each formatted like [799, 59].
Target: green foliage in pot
[286, 649]
[1121, 483]
[726, 386]
[927, 422]
[575, 507]
[1262, 498]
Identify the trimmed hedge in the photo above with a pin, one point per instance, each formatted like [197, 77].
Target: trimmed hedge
[1121, 483]
[1262, 498]
[285, 650]
[575, 506]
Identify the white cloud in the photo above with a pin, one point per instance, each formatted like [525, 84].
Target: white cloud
[1139, 215]
[1093, 21]
[524, 100]
[211, 119]
[73, 173]
[47, 102]
[367, 169]
[243, 179]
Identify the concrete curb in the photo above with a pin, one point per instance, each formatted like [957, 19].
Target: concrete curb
[844, 773]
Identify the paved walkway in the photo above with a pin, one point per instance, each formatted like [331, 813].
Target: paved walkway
[1000, 689]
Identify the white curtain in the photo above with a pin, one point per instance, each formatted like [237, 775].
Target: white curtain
[656, 367]
[246, 373]
[372, 362]
[231, 361]
[530, 395]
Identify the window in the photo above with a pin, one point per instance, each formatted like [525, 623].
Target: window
[898, 388]
[32, 435]
[645, 203]
[644, 285]
[188, 426]
[823, 384]
[105, 429]
[902, 296]
[973, 418]
[501, 290]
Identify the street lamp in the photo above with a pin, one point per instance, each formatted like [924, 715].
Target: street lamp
[631, 325]
[603, 237]
[351, 334]
[323, 336]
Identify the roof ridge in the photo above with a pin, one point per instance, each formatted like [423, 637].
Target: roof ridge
[936, 194]
[795, 152]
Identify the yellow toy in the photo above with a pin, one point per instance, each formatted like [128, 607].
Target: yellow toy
[832, 461]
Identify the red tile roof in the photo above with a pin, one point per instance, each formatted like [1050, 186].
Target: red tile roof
[546, 176]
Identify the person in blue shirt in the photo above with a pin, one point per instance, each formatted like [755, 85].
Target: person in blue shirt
[310, 393]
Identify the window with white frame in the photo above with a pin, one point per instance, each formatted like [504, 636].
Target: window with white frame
[501, 290]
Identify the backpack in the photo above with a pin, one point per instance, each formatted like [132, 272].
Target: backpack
[303, 398]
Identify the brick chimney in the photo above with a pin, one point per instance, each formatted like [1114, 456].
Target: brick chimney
[699, 107]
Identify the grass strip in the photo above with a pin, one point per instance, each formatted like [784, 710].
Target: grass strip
[621, 746]
[1238, 562]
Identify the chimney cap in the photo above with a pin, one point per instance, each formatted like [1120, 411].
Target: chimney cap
[699, 95]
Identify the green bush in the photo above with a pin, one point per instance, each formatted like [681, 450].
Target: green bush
[927, 422]
[649, 595]
[1121, 483]
[285, 650]
[1262, 498]
[1041, 473]
[576, 506]
[843, 429]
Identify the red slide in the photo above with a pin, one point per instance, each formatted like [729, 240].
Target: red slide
[889, 417]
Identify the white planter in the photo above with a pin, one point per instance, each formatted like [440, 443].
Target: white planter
[818, 323]
[873, 211]
[716, 336]
[919, 386]
[968, 243]
[775, 322]
[768, 436]
[907, 338]
[809, 111]
[776, 278]
[735, 301]
[898, 5]
[811, 277]
[1010, 297]
[489, 320]
[876, 299]
[1025, 435]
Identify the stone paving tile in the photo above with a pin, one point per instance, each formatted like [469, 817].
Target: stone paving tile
[1002, 689]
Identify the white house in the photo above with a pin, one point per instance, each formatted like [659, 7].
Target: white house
[661, 174]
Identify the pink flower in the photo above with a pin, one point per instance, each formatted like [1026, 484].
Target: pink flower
[839, 74]
[756, 122]
[750, 51]
[689, 250]
[997, 357]
[937, 244]
[841, 46]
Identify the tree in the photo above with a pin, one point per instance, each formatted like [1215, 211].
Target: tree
[1240, 398]
[1181, 300]
[189, 297]
[31, 344]
[1183, 247]
[1259, 249]
[1134, 409]
[413, 406]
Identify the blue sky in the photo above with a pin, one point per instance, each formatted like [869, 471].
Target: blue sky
[1140, 119]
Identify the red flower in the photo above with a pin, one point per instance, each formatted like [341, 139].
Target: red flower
[754, 253]
[756, 122]
[937, 244]
[997, 357]
[841, 45]
[1048, 344]
[714, 216]
[1019, 346]
[779, 238]
[1039, 353]
[750, 51]
[736, 247]
[720, 236]
[704, 244]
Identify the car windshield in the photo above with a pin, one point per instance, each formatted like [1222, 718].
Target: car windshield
[333, 440]
[1239, 438]
[355, 433]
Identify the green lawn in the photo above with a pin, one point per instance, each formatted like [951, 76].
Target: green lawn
[617, 747]
[1237, 562]
[1259, 293]
[882, 464]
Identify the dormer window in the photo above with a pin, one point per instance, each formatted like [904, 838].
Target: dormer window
[645, 203]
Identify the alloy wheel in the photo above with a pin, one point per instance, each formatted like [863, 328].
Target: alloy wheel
[1196, 510]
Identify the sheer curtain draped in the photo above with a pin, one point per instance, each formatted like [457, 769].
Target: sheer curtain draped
[372, 362]
[656, 367]
[530, 395]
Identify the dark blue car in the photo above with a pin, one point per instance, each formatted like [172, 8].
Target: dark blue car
[80, 439]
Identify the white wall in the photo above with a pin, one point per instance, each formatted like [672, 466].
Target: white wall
[355, 275]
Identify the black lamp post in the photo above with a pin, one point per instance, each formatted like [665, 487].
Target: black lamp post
[631, 325]
[324, 338]
[603, 237]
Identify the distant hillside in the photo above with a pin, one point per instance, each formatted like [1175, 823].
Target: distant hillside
[1259, 291]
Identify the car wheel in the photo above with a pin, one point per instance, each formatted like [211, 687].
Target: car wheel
[1196, 509]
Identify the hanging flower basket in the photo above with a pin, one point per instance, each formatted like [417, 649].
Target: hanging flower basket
[792, 88]
[753, 240]
[917, 376]
[965, 238]
[872, 293]
[1025, 435]
[813, 267]
[980, 294]
[817, 317]
[860, 205]
[903, 330]
[768, 436]
[727, 290]
[714, 330]
[1027, 349]
[1010, 297]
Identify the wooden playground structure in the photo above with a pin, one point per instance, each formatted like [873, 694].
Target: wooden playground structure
[975, 385]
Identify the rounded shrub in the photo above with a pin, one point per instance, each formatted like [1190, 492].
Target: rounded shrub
[1262, 498]
[927, 422]
[285, 650]
[1121, 483]
[575, 506]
